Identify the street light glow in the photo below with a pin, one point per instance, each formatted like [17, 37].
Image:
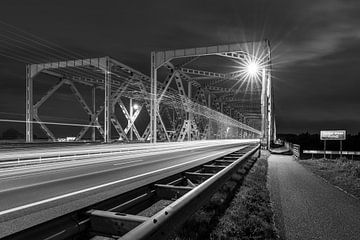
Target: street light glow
[253, 68]
[135, 106]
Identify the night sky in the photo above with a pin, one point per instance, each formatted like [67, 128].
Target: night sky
[316, 46]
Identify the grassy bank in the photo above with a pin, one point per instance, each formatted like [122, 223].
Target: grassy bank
[342, 173]
[240, 210]
[249, 215]
[200, 225]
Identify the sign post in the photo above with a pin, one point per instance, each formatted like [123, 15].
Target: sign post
[338, 135]
[340, 148]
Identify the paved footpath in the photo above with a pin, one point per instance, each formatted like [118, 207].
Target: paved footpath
[307, 207]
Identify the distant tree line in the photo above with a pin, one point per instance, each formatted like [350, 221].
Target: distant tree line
[309, 141]
[12, 133]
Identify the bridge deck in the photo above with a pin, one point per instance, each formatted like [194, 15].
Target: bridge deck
[33, 194]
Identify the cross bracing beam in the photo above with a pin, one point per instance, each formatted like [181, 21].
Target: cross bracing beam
[240, 99]
[118, 128]
[189, 60]
[217, 89]
[202, 73]
[47, 131]
[50, 92]
[243, 104]
[94, 122]
[131, 119]
[234, 55]
[79, 97]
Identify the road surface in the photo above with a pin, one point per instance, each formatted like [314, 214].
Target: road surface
[307, 207]
[33, 194]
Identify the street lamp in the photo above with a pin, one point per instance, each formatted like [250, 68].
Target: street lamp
[253, 69]
[135, 106]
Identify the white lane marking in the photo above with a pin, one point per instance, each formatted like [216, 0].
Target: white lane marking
[68, 178]
[100, 186]
[117, 164]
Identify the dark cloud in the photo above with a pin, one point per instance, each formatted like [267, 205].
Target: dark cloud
[315, 44]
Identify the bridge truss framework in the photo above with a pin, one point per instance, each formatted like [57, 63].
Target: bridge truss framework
[226, 102]
[187, 104]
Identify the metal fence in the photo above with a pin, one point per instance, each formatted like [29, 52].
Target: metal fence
[295, 148]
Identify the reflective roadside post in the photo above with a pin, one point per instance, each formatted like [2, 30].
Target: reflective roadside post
[340, 149]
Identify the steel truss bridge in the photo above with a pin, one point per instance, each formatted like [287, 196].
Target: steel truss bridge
[192, 94]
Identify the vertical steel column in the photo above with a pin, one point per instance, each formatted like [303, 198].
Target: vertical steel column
[107, 125]
[274, 129]
[153, 99]
[131, 118]
[29, 104]
[209, 106]
[93, 93]
[243, 120]
[270, 96]
[269, 111]
[189, 113]
[264, 109]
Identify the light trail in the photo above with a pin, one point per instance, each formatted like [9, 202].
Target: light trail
[50, 123]
[105, 185]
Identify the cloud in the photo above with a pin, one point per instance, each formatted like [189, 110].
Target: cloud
[324, 26]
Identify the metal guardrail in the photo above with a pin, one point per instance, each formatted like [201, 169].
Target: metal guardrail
[296, 150]
[331, 152]
[115, 217]
[161, 224]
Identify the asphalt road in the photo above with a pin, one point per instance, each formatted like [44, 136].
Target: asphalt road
[33, 194]
[307, 207]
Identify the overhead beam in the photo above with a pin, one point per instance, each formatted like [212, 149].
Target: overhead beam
[162, 57]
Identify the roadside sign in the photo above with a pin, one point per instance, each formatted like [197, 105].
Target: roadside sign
[333, 135]
[338, 135]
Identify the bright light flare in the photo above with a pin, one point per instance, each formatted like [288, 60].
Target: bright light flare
[136, 106]
[253, 69]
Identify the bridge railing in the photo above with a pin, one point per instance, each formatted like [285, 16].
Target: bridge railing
[295, 148]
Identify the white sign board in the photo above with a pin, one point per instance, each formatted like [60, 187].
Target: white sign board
[333, 135]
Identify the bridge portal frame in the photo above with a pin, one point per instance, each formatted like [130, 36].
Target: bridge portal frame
[113, 90]
[236, 51]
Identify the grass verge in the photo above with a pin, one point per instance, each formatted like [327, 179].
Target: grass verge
[339, 172]
[240, 210]
[249, 215]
